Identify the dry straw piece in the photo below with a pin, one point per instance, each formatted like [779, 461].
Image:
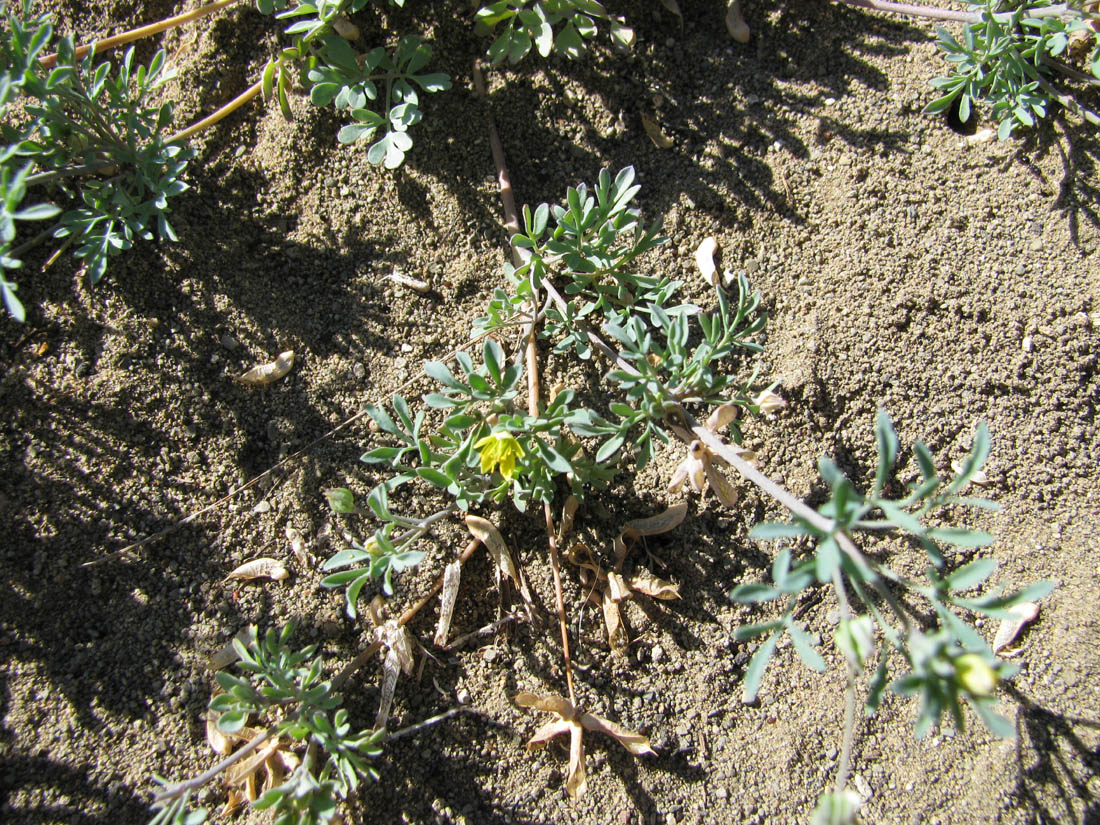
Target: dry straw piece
[270, 372]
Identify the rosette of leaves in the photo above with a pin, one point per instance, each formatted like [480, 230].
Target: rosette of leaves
[379, 89]
[549, 26]
[945, 661]
[1010, 60]
[486, 448]
[93, 133]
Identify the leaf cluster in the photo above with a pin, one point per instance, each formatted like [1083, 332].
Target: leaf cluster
[91, 132]
[931, 654]
[1009, 59]
[287, 689]
[549, 26]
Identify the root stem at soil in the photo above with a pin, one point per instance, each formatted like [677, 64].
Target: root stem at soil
[50, 60]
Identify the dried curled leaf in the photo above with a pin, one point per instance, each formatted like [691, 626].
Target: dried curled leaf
[979, 478]
[722, 416]
[664, 521]
[221, 743]
[1009, 629]
[735, 22]
[659, 138]
[226, 655]
[297, 546]
[452, 575]
[645, 582]
[704, 259]
[574, 721]
[616, 631]
[264, 568]
[270, 372]
[487, 533]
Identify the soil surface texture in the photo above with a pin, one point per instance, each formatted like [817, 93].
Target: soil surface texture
[904, 266]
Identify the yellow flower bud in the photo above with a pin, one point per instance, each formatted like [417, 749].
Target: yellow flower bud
[975, 676]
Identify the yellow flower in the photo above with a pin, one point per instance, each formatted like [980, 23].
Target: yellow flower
[499, 448]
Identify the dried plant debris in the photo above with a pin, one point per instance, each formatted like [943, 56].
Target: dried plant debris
[979, 477]
[487, 533]
[452, 575]
[264, 568]
[1010, 629]
[226, 655]
[735, 22]
[609, 588]
[699, 468]
[659, 138]
[264, 374]
[704, 259]
[298, 547]
[574, 721]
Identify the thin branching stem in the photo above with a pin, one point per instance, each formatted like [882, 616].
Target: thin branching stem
[937, 13]
[50, 60]
[79, 170]
[219, 114]
[180, 788]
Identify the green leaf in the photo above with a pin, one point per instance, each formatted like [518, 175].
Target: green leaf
[960, 537]
[341, 500]
[442, 373]
[754, 674]
[434, 477]
[609, 448]
[804, 647]
[751, 631]
[972, 574]
[754, 593]
[997, 724]
[232, 721]
[887, 441]
[770, 530]
[827, 559]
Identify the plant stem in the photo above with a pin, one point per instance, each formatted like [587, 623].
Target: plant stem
[936, 13]
[68, 172]
[180, 788]
[511, 223]
[225, 110]
[31, 243]
[50, 60]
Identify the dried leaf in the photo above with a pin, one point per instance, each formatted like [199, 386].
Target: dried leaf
[568, 511]
[221, 743]
[735, 22]
[979, 478]
[704, 259]
[390, 669]
[613, 620]
[617, 588]
[1009, 629]
[674, 7]
[722, 416]
[770, 403]
[400, 642]
[645, 582]
[573, 721]
[659, 138]
[981, 136]
[241, 772]
[297, 546]
[726, 492]
[234, 801]
[487, 533]
[260, 568]
[414, 284]
[345, 28]
[691, 470]
[224, 656]
[660, 523]
[452, 575]
[268, 373]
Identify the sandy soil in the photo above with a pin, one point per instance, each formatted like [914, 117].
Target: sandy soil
[904, 267]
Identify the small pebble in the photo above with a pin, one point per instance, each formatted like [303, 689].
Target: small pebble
[657, 653]
[1028, 344]
[262, 506]
[229, 342]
